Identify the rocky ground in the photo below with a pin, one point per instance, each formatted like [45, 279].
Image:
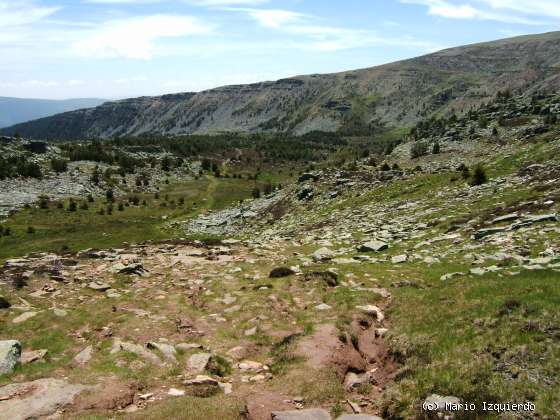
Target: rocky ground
[354, 293]
[299, 314]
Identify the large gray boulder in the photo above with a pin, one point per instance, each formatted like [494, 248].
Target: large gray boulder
[10, 354]
[309, 414]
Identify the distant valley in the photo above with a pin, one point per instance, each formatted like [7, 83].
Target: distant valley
[19, 110]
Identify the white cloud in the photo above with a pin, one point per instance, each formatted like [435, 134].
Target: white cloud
[22, 12]
[215, 3]
[526, 12]
[39, 83]
[127, 80]
[273, 18]
[135, 38]
[529, 7]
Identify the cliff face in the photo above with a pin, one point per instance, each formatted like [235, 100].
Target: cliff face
[393, 94]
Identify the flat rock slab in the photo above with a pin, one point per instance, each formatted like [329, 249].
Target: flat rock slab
[309, 414]
[39, 398]
[30, 356]
[24, 317]
[358, 417]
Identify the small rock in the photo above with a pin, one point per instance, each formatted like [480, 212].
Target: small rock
[323, 307]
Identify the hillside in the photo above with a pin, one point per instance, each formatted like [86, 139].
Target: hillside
[354, 102]
[18, 110]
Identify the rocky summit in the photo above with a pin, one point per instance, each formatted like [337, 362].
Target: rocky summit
[406, 273]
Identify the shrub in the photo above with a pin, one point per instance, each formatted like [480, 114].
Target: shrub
[419, 148]
[72, 206]
[110, 195]
[30, 230]
[120, 207]
[479, 176]
[465, 172]
[436, 148]
[43, 202]
[385, 167]
[59, 165]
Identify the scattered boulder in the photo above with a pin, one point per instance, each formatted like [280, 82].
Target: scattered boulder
[399, 259]
[323, 254]
[99, 286]
[167, 350]
[358, 417]
[198, 362]
[279, 272]
[10, 354]
[84, 356]
[202, 386]
[373, 246]
[137, 349]
[133, 268]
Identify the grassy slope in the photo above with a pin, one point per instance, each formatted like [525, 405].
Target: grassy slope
[58, 229]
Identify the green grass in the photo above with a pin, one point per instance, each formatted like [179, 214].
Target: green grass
[483, 339]
[59, 229]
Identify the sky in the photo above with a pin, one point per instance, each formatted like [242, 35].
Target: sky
[125, 48]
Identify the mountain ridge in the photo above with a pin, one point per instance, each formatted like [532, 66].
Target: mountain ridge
[354, 101]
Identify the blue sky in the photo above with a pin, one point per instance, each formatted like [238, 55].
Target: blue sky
[124, 48]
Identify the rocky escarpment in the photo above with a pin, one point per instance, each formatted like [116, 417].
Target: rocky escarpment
[404, 92]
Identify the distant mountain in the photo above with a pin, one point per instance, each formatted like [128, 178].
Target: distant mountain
[396, 94]
[18, 110]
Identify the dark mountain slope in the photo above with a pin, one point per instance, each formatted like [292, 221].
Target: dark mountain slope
[393, 94]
